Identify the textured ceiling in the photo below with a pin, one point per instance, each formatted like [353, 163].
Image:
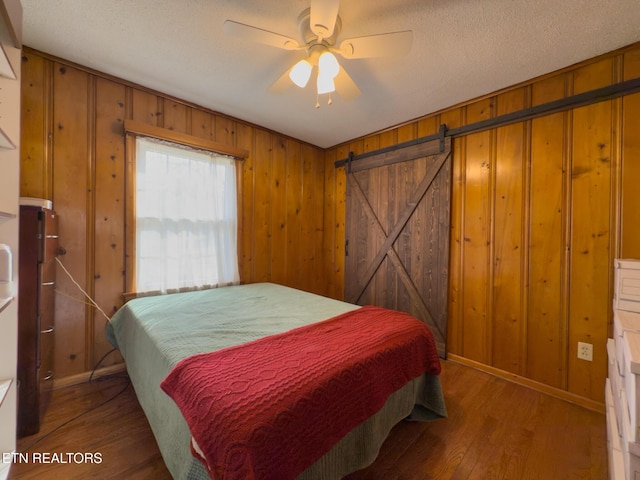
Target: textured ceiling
[462, 49]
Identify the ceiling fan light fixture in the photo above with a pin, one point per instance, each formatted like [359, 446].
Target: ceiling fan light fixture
[328, 64]
[325, 83]
[320, 26]
[300, 73]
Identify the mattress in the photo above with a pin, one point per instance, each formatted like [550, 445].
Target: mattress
[155, 333]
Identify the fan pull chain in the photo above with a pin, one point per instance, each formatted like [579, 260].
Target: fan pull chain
[329, 102]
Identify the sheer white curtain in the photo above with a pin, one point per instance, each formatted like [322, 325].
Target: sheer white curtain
[186, 218]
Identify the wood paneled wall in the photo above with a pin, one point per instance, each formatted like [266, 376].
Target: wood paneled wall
[539, 211]
[73, 153]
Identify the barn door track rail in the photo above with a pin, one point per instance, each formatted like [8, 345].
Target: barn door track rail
[377, 157]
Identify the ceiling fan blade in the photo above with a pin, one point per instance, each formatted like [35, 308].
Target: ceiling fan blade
[282, 84]
[345, 86]
[323, 17]
[258, 35]
[382, 45]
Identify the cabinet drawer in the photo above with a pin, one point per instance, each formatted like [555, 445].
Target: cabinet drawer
[615, 384]
[630, 449]
[46, 350]
[614, 450]
[623, 322]
[47, 272]
[46, 307]
[46, 387]
[49, 236]
[632, 383]
[45, 372]
[627, 285]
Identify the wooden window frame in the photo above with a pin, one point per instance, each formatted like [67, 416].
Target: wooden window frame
[135, 129]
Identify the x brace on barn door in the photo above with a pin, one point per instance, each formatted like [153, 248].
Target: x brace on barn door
[439, 151]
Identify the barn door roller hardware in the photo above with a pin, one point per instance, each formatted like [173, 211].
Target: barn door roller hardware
[349, 160]
[441, 133]
[355, 163]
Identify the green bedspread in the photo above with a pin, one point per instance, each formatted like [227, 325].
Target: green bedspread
[154, 333]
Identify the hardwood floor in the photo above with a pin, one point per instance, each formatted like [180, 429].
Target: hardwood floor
[495, 430]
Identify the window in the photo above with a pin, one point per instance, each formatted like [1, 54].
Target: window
[185, 217]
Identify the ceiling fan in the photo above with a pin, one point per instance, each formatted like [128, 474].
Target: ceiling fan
[320, 26]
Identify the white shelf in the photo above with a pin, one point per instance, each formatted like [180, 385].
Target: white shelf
[10, 46]
[6, 70]
[4, 388]
[36, 202]
[4, 302]
[4, 216]
[5, 142]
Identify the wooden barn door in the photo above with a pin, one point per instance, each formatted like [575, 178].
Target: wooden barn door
[397, 232]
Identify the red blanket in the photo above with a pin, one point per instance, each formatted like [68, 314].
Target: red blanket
[270, 408]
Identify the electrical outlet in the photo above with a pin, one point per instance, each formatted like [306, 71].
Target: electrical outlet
[585, 351]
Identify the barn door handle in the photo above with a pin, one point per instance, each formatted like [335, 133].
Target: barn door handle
[346, 248]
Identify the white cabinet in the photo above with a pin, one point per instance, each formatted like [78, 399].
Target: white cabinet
[623, 382]
[10, 60]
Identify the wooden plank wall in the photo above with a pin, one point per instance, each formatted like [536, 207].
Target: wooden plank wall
[539, 211]
[74, 154]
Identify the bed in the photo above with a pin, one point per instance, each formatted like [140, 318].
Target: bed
[157, 335]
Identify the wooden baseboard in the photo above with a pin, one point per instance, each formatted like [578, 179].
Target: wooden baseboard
[526, 382]
[84, 377]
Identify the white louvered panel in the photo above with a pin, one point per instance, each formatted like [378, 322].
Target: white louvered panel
[614, 450]
[627, 285]
[616, 383]
[632, 382]
[623, 322]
